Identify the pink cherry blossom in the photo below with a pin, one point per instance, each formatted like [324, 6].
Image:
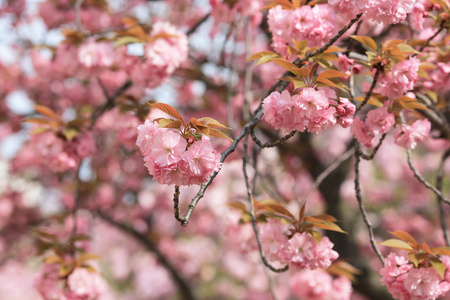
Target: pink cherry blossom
[362, 132]
[304, 252]
[407, 136]
[379, 120]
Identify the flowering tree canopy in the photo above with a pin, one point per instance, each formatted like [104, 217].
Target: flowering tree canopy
[236, 149]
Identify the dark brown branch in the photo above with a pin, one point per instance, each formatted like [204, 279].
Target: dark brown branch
[176, 204]
[197, 25]
[185, 290]
[423, 180]
[375, 150]
[273, 144]
[372, 87]
[109, 104]
[362, 208]
[430, 39]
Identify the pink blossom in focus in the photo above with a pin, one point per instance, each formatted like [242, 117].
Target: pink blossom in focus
[200, 160]
[379, 120]
[401, 79]
[362, 132]
[425, 284]
[407, 136]
[304, 252]
[272, 238]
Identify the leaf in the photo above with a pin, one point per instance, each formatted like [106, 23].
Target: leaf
[175, 124]
[237, 205]
[331, 74]
[125, 40]
[441, 250]
[218, 133]
[442, 3]
[404, 236]
[399, 244]
[326, 225]
[301, 212]
[167, 109]
[333, 48]
[324, 217]
[367, 41]
[278, 208]
[65, 270]
[326, 82]
[300, 45]
[45, 111]
[407, 49]
[53, 259]
[80, 237]
[301, 72]
[87, 256]
[438, 266]
[261, 55]
[316, 236]
[210, 122]
[163, 121]
[37, 121]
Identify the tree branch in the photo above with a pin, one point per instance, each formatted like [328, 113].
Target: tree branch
[362, 208]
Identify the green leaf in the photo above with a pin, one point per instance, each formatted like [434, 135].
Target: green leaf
[316, 236]
[399, 244]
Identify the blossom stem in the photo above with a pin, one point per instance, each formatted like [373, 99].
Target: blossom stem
[439, 183]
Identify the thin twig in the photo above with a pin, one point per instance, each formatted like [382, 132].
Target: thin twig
[77, 199]
[372, 87]
[197, 25]
[423, 180]
[362, 208]
[185, 290]
[439, 183]
[109, 104]
[176, 204]
[78, 15]
[343, 157]
[430, 39]
[272, 144]
[375, 150]
[252, 212]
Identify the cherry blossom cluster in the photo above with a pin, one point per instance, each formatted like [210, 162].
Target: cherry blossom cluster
[400, 79]
[81, 284]
[382, 11]
[311, 109]
[406, 282]
[301, 250]
[320, 285]
[171, 159]
[59, 154]
[163, 55]
[380, 121]
[317, 25]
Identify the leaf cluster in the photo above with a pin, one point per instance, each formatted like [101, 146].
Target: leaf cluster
[420, 255]
[194, 129]
[66, 254]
